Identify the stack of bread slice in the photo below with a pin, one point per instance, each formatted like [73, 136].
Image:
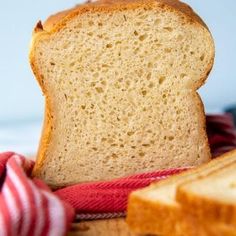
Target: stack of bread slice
[201, 201]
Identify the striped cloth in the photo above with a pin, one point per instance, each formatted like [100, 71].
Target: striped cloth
[28, 207]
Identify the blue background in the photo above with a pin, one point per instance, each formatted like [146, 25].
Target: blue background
[21, 101]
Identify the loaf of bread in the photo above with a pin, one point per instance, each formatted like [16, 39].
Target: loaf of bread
[198, 202]
[120, 81]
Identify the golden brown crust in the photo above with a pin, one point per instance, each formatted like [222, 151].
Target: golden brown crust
[47, 125]
[44, 141]
[202, 119]
[219, 229]
[38, 27]
[192, 226]
[57, 22]
[142, 213]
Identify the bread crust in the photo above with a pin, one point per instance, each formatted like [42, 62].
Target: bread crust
[165, 220]
[192, 226]
[57, 22]
[169, 220]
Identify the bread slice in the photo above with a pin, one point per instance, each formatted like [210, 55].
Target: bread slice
[212, 197]
[120, 81]
[154, 210]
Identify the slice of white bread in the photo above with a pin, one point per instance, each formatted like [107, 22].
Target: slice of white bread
[120, 81]
[155, 210]
[212, 197]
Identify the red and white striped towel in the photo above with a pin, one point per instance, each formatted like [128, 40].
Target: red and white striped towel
[28, 207]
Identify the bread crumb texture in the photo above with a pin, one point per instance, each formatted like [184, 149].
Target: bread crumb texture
[121, 90]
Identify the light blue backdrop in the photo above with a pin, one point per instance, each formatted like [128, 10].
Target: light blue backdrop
[21, 98]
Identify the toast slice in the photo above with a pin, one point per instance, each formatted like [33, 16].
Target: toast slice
[212, 197]
[120, 80]
[154, 210]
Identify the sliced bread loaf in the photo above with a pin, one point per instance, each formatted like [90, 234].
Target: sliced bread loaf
[155, 210]
[120, 81]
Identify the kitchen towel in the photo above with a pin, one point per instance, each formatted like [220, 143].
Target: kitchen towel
[28, 207]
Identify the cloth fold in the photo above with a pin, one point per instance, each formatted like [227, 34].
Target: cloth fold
[221, 133]
[29, 208]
